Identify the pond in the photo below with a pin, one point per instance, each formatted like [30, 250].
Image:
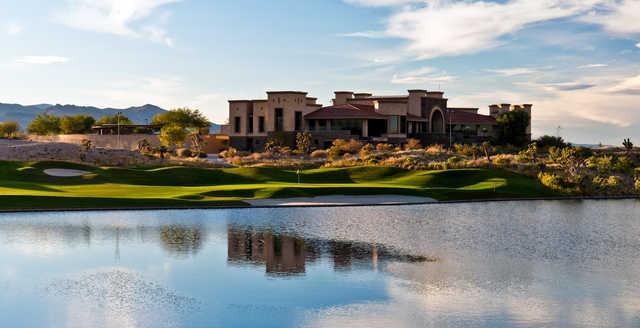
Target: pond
[496, 264]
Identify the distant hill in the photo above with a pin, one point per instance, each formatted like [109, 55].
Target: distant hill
[25, 114]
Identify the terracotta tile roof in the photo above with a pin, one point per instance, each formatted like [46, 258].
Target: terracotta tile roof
[461, 117]
[345, 111]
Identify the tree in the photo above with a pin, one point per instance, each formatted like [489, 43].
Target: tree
[183, 117]
[45, 124]
[78, 124]
[546, 141]
[172, 135]
[628, 145]
[303, 142]
[512, 128]
[114, 120]
[9, 129]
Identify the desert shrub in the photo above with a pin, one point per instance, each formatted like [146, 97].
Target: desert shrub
[529, 154]
[384, 147]
[583, 152]
[412, 144]
[229, 153]
[341, 147]
[637, 185]
[366, 151]
[454, 160]
[466, 150]
[610, 185]
[303, 142]
[183, 152]
[624, 164]
[435, 149]
[320, 153]
[602, 164]
[502, 160]
[551, 181]
[86, 144]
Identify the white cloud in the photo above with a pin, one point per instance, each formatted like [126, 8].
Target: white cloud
[14, 28]
[629, 85]
[593, 66]
[448, 28]
[380, 3]
[425, 75]
[638, 45]
[513, 71]
[617, 17]
[41, 60]
[130, 18]
[457, 27]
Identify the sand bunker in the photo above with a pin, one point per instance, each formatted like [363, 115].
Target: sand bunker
[65, 172]
[341, 200]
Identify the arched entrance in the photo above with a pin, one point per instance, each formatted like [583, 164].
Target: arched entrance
[437, 121]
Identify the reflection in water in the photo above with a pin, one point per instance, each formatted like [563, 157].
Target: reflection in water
[524, 264]
[286, 254]
[182, 240]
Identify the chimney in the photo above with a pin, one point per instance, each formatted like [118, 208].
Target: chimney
[505, 107]
[494, 110]
[341, 97]
[415, 101]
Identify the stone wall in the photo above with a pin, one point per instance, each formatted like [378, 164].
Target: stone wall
[127, 141]
[212, 144]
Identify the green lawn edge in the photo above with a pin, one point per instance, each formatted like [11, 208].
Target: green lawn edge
[23, 185]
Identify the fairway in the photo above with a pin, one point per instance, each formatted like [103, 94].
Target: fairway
[24, 185]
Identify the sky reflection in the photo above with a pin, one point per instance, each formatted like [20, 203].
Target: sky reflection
[489, 265]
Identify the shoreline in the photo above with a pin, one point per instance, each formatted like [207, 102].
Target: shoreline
[222, 207]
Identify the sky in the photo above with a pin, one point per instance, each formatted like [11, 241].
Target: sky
[576, 61]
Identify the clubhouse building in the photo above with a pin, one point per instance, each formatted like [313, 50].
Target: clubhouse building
[420, 114]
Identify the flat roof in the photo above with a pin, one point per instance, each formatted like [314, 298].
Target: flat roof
[296, 92]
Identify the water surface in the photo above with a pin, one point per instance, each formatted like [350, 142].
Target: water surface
[504, 264]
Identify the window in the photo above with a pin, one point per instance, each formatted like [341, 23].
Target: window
[236, 124]
[279, 120]
[312, 125]
[250, 123]
[322, 125]
[403, 124]
[298, 121]
[393, 124]
[261, 124]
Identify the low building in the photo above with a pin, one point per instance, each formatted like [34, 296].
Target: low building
[420, 114]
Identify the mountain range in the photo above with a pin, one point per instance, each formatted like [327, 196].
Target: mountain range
[25, 114]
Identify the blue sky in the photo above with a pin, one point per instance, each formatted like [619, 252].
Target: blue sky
[577, 61]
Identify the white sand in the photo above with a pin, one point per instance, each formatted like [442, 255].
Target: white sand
[65, 172]
[341, 200]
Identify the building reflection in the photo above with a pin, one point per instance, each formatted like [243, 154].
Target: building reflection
[287, 254]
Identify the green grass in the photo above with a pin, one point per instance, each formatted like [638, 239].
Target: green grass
[23, 185]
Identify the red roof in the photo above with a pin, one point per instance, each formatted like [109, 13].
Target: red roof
[345, 111]
[462, 117]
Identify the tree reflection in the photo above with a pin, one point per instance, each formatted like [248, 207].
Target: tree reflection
[182, 241]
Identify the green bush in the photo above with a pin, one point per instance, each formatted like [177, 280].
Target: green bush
[77, 124]
[9, 129]
[45, 124]
[624, 164]
[583, 152]
[172, 135]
